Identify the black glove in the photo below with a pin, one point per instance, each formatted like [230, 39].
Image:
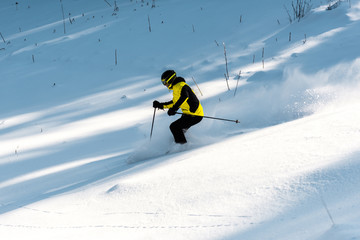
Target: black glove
[156, 104]
[172, 111]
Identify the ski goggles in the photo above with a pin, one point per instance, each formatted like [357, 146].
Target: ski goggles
[166, 81]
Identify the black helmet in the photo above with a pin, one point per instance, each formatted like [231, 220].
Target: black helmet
[168, 77]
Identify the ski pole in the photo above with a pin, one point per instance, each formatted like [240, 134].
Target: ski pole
[215, 118]
[152, 125]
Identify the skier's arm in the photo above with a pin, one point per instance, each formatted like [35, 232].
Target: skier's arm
[168, 104]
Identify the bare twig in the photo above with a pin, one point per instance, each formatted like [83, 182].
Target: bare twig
[2, 37]
[62, 10]
[116, 8]
[327, 209]
[287, 11]
[115, 57]
[226, 65]
[237, 83]
[108, 3]
[227, 82]
[332, 6]
[149, 23]
[71, 20]
[197, 86]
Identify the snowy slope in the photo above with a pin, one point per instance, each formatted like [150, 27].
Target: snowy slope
[74, 111]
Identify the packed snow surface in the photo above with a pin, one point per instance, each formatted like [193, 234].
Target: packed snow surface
[77, 83]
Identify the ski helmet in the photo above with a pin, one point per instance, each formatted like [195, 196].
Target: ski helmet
[168, 77]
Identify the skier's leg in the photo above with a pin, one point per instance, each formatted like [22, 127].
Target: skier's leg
[180, 126]
[177, 131]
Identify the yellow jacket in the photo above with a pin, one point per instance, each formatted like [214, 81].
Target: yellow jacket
[184, 98]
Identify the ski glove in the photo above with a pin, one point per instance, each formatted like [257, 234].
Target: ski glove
[156, 104]
[171, 112]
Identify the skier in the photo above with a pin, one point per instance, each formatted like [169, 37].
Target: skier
[183, 98]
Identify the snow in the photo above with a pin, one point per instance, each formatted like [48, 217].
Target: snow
[76, 159]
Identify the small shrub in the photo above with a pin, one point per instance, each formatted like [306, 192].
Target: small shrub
[299, 10]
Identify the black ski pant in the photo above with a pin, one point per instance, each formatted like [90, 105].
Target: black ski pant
[182, 125]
